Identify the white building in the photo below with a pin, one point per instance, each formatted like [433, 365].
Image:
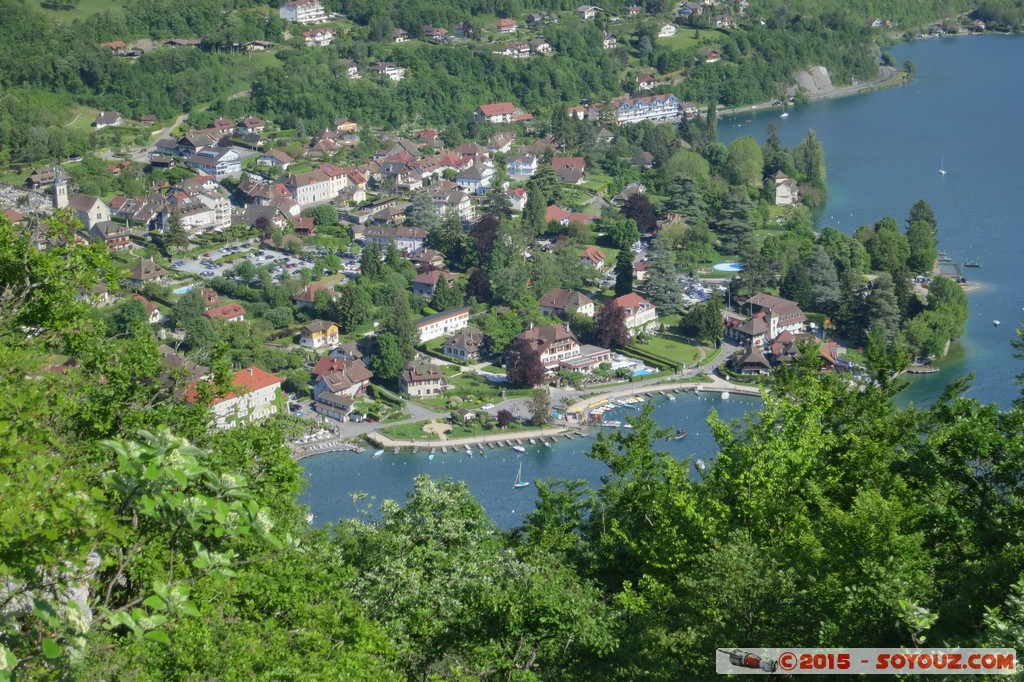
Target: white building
[386, 70]
[303, 11]
[321, 37]
[656, 108]
[442, 324]
[641, 314]
[253, 396]
[216, 161]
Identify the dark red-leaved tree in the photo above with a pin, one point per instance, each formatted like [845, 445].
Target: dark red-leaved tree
[479, 285]
[505, 417]
[484, 235]
[638, 207]
[610, 329]
[524, 366]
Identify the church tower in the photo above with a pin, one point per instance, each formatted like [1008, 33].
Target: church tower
[60, 189]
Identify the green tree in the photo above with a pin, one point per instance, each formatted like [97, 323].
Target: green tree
[188, 308]
[445, 297]
[398, 323]
[540, 407]
[735, 222]
[888, 248]
[809, 158]
[623, 232]
[624, 272]
[796, 286]
[422, 213]
[388, 359]
[662, 284]
[746, 162]
[881, 308]
[175, 236]
[370, 265]
[824, 280]
[923, 247]
[131, 318]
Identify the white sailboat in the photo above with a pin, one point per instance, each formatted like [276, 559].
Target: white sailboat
[942, 166]
[520, 483]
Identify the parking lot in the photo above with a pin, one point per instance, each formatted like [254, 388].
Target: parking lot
[206, 265]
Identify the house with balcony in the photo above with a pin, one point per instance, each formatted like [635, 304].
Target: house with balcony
[654, 108]
[476, 179]
[554, 343]
[641, 314]
[321, 37]
[303, 11]
[319, 334]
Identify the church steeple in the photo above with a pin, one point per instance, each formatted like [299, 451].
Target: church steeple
[60, 189]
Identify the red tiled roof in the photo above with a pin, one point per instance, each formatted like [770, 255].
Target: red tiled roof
[225, 312]
[244, 381]
[632, 301]
[499, 109]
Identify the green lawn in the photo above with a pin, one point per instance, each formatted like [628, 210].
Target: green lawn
[683, 39]
[469, 430]
[474, 390]
[672, 348]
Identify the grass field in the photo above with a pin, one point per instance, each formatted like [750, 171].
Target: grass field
[473, 428]
[85, 8]
[683, 40]
[673, 348]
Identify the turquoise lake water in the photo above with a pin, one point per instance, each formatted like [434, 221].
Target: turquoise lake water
[883, 152]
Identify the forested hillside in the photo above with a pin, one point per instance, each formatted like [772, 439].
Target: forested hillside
[138, 544]
[50, 67]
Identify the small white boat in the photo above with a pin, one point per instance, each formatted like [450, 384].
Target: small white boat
[519, 448]
[942, 166]
[784, 114]
[378, 453]
[995, 323]
[547, 444]
[725, 395]
[671, 397]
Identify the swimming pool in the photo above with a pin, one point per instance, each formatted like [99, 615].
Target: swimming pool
[641, 372]
[184, 290]
[729, 267]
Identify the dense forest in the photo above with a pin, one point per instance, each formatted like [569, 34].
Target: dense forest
[139, 544]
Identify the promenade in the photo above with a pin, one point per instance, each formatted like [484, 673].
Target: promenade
[571, 427]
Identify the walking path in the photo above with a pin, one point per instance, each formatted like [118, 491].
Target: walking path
[887, 76]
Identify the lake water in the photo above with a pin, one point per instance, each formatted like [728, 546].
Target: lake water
[334, 477]
[883, 152]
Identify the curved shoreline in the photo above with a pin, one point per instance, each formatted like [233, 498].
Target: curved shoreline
[890, 77]
[572, 427]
